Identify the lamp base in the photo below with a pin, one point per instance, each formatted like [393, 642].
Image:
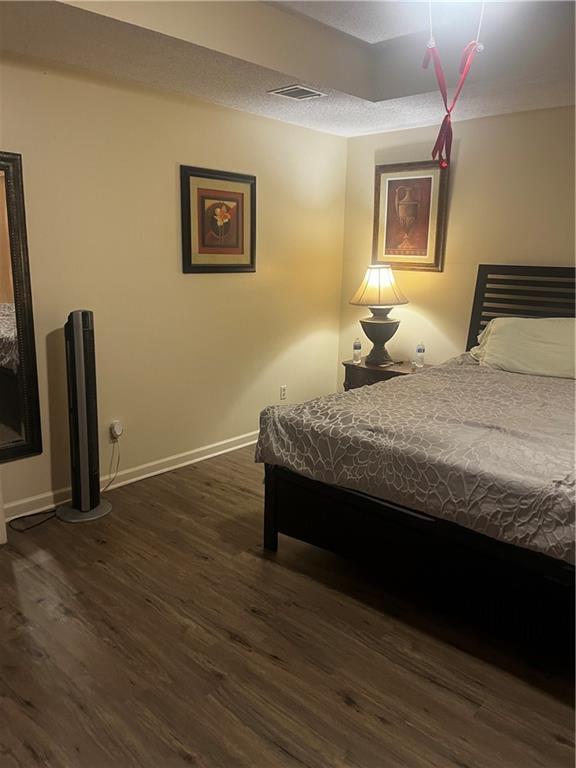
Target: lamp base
[379, 356]
[379, 328]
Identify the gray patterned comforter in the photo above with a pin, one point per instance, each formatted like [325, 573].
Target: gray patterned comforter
[487, 449]
[8, 337]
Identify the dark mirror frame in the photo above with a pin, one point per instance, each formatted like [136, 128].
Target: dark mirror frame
[31, 442]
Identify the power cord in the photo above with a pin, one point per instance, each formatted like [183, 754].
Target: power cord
[112, 479]
[12, 524]
[19, 529]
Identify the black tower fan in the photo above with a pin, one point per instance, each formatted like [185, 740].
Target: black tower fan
[86, 503]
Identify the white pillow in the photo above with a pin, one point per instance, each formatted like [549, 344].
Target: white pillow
[538, 346]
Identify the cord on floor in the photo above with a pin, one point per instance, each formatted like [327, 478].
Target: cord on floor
[51, 514]
[22, 529]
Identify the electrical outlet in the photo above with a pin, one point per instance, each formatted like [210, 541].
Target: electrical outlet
[116, 429]
[283, 392]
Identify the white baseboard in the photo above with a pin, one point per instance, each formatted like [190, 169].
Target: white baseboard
[49, 500]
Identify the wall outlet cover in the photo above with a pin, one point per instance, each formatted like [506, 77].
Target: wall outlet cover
[116, 429]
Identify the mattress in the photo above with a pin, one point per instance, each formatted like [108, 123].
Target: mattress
[8, 338]
[489, 450]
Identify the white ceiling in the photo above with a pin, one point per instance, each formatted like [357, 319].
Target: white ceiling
[375, 21]
[370, 20]
[234, 53]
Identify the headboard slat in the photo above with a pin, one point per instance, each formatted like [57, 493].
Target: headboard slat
[528, 302]
[544, 284]
[513, 312]
[505, 290]
[565, 294]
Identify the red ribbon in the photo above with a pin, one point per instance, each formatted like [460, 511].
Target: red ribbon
[443, 146]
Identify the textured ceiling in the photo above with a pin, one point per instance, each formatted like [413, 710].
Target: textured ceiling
[504, 80]
[368, 20]
[375, 21]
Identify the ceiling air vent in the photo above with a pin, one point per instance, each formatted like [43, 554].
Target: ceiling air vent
[298, 92]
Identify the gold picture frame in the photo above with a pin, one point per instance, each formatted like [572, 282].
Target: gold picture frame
[410, 215]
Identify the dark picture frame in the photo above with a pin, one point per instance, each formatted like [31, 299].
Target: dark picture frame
[218, 220]
[410, 215]
[26, 378]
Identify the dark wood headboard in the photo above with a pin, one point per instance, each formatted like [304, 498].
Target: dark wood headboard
[504, 290]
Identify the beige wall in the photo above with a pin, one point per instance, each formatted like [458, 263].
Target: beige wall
[189, 360]
[183, 360]
[511, 201]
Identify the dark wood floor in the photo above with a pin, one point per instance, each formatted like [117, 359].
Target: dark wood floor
[161, 637]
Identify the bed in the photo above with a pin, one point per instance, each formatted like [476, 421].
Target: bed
[438, 460]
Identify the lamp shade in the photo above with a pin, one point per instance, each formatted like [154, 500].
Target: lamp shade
[379, 289]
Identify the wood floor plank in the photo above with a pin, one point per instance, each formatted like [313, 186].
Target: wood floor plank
[162, 637]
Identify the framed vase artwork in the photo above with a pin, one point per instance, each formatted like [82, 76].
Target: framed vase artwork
[218, 220]
[410, 212]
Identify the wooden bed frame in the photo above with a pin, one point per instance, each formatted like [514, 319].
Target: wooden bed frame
[343, 520]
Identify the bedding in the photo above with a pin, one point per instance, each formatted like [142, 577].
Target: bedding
[542, 346]
[484, 448]
[8, 337]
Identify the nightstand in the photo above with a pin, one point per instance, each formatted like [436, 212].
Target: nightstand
[363, 373]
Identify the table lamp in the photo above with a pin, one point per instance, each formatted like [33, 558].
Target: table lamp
[379, 292]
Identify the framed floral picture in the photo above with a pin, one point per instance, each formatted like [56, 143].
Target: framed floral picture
[218, 220]
[410, 206]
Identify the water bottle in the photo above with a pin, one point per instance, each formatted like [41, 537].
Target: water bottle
[357, 352]
[419, 359]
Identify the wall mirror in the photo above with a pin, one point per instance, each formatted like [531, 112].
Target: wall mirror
[19, 412]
